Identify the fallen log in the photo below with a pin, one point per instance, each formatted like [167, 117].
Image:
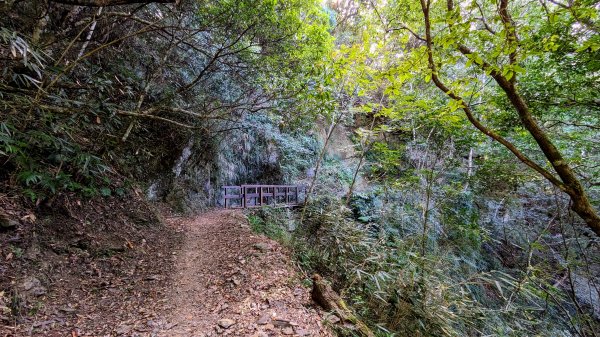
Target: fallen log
[328, 299]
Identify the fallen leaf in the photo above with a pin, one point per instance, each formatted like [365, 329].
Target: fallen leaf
[30, 217]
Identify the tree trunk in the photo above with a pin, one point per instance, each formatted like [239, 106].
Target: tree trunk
[329, 300]
[102, 3]
[572, 186]
[332, 126]
[360, 162]
[566, 180]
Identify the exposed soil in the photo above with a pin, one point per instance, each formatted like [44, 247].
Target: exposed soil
[82, 268]
[113, 268]
[233, 283]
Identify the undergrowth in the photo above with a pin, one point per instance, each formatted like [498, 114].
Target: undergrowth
[45, 163]
[399, 291]
[273, 223]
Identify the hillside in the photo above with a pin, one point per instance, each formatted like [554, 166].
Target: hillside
[446, 152]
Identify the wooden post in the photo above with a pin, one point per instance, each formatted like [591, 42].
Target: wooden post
[243, 195]
[296, 189]
[258, 195]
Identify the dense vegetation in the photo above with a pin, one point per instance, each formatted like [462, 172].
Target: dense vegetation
[451, 148]
[92, 94]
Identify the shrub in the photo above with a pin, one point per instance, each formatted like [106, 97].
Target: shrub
[272, 222]
[399, 291]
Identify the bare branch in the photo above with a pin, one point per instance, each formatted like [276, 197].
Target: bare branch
[484, 21]
[579, 125]
[103, 3]
[129, 113]
[417, 36]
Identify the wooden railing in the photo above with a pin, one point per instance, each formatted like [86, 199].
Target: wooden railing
[248, 196]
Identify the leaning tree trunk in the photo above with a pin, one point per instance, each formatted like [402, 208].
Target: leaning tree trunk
[566, 181]
[571, 184]
[363, 153]
[326, 297]
[330, 130]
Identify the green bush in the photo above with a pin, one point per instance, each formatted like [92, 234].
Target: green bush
[271, 222]
[400, 292]
[45, 164]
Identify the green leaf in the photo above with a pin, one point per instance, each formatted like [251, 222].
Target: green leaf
[29, 178]
[105, 192]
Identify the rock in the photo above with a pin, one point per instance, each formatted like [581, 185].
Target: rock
[261, 246]
[123, 330]
[6, 222]
[68, 310]
[33, 286]
[303, 332]
[30, 283]
[349, 326]
[225, 323]
[264, 319]
[331, 318]
[276, 303]
[260, 334]
[281, 323]
[34, 251]
[38, 291]
[288, 331]
[170, 326]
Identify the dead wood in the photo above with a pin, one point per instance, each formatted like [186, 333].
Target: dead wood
[328, 299]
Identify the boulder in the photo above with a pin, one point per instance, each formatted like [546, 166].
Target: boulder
[7, 223]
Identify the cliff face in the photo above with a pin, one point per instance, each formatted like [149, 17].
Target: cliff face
[95, 100]
[249, 155]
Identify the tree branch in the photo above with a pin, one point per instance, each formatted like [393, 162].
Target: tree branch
[128, 113]
[417, 36]
[484, 21]
[469, 113]
[568, 182]
[103, 3]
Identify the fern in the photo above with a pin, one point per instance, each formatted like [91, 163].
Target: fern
[29, 178]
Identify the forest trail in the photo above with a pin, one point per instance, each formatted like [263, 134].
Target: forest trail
[231, 282]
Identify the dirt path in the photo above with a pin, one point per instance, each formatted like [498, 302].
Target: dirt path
[231, 282]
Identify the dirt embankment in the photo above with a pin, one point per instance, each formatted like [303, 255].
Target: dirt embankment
[113, 268]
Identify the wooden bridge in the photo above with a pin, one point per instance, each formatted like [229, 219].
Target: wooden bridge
[249, 196]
